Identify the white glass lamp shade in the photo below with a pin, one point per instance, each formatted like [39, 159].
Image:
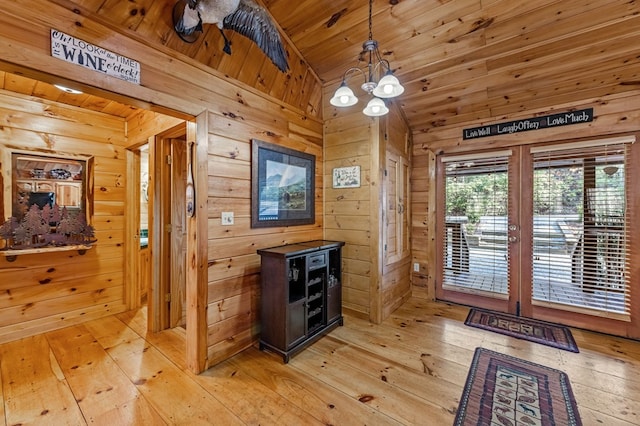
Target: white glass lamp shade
[375, 108]
[343, 97]
[388, 87]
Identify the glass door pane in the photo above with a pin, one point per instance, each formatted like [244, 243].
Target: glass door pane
[475, 238]
[579, 241]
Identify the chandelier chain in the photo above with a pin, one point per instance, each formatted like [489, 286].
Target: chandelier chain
[370, 20]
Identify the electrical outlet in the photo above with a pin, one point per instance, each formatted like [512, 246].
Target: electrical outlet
[227, 218]
[416, 267]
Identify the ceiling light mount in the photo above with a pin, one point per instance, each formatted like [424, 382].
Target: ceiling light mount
[68, 89]
[387, 87]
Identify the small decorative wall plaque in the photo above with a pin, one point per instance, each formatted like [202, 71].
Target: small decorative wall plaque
[346, 177]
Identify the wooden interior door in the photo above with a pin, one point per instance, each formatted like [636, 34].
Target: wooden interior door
[169, 225]
[161, 259]
[178, 249]
[140, 259]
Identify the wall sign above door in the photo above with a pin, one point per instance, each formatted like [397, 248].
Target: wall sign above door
[79, 52]
[534, 123]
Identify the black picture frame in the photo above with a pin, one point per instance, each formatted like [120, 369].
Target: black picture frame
[282, 186]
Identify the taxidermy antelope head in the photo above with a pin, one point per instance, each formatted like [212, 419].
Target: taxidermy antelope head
[245, 17]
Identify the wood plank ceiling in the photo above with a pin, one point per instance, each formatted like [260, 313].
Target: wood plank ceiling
[460, 60]
[472, 59]
[39, 89]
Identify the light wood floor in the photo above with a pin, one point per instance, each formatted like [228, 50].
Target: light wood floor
[409, 370]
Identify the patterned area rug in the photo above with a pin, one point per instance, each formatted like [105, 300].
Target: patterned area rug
[545, 333]
[505, 391]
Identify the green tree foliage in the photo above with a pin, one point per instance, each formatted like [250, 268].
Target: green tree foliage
[477, 195]
[556, 191]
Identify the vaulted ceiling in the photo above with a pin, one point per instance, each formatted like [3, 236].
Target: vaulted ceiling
[459, 60]
[462, 60]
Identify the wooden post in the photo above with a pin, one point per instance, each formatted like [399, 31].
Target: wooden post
[197, 250]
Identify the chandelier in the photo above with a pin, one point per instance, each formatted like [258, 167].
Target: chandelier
[387, 87]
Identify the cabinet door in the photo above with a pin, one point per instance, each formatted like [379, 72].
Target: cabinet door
[334, 286]
[44, 187]
[296, 322]
[69, 194]
[334, 301]
[396, 215]
[26, 186]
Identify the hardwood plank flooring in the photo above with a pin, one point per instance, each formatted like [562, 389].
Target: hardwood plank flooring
[409, 370]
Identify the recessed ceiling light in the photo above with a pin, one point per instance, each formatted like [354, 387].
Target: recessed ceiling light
[68, 89]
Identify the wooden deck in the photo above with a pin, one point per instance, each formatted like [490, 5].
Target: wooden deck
[486, 270]
[409, 370]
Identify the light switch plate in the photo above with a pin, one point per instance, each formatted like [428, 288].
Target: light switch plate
[227, 218]
[416, 267]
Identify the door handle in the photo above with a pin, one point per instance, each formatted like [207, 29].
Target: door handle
[513, 239]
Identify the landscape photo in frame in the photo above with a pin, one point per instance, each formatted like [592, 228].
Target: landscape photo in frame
[282, 186]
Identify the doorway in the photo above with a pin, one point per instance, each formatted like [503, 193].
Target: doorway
[158, 257]
[539, 231]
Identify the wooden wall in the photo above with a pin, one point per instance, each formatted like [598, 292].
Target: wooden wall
[423, 219]
[395, 286]
[351, 213]
[233, 265]
[150, 20]
[223, 272]
[42, 292]
[614, 114]
[371, 287]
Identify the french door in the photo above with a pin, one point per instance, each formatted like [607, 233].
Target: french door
[477, 217]
[541, 231]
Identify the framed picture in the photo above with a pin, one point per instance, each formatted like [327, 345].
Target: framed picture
[282, 186]
[346, 177]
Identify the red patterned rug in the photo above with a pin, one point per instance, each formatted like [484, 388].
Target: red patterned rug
[504, 390]
[542, 332]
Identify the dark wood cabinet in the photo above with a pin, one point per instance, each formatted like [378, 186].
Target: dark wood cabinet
[301, 294]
